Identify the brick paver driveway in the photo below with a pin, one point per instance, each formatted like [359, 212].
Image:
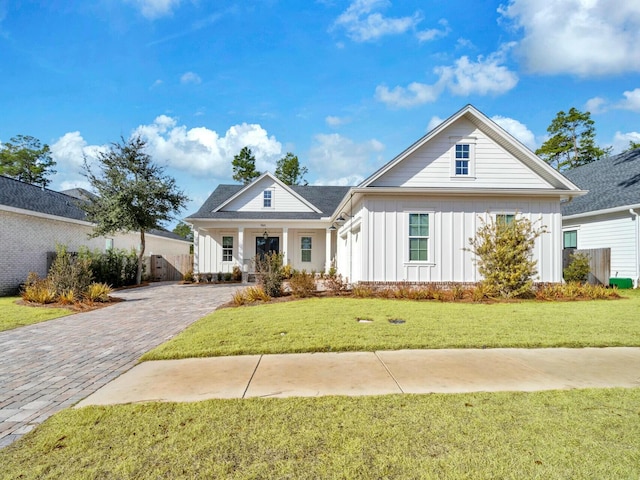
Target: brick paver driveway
[49, 366]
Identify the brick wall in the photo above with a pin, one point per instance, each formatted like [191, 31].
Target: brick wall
[26, 239]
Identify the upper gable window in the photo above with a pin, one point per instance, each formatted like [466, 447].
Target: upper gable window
[463, 157]
[267, 198]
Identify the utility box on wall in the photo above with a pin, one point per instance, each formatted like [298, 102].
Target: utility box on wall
[621, 283]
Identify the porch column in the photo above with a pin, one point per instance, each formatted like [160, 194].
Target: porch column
[285, 245]
[327, 258]
[241, 247]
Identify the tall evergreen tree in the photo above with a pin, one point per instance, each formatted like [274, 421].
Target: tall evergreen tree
[133, 193]
[289, 171]
[244, 166]
[572, 141]
[25, 159]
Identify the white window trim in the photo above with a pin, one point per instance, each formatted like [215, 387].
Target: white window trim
[233, 246]
[471, 141]
[273, 198]
[430, 242]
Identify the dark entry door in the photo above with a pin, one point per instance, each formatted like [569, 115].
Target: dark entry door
[267, 245]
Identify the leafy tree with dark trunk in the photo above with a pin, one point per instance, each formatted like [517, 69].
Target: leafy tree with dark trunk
[572, 141]
[244, 166]
[133, 193]
[25, 159]
[288, 170]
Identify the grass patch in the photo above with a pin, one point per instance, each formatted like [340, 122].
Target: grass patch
[559, 434]
[331, 324]
[13, 315]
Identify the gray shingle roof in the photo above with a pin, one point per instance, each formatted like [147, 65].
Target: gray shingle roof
[325, 198]
[17, 194]
[612, 182]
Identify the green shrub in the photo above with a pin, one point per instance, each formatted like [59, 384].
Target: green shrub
[504, 252]
[302, 284]
[268, 269]
[188, 276]
[578, 269]
[70, 272]
[228, 277]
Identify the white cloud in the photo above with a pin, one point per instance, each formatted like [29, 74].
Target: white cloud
[363, 23]
[621, 140]
[517, 129]
[70, 150]
[341, 160]
[333, 121]
[631, 100]
[433, 33]
[152, 9]
[596, 105]
[434, 122]
[486, 76]
[581, 37]
[190, 77]
[202, 151]
[156, 84]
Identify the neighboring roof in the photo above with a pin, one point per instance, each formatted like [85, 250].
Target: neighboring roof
[612, 182]
[24, 196]
[498, 135]
[324, 198]
[79, 193]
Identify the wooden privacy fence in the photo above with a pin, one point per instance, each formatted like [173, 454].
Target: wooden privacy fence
[599, 263]
[168, 267]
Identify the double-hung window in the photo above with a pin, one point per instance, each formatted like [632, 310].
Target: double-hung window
[227, 249]
[305, 249]
[267, 197]
[505, 219]
[418, 237]
[462, 159]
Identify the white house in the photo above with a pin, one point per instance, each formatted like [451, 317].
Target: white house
[607, 217]
[33, 220]
[409, 221]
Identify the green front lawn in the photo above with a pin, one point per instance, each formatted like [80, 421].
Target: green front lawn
[330, 324]
[576, 434]
[13, 315]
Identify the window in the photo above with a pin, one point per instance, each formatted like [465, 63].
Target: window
[570, 239]
[227, 249]
[266, 198]
[418, 237]
[305, 249]
[505, 219]
[109, 244]
[462, 159]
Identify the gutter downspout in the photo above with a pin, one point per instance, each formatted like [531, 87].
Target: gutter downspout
[635, 280]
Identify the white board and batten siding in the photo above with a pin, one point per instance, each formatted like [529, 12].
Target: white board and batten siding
[252, 200]
[616, 231]
[431, 164]
[452, 221]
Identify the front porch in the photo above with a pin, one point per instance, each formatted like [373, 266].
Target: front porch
[221, 247]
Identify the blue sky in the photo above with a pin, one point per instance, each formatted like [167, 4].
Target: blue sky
[345, 85]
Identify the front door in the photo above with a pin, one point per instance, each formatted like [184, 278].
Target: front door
[267, 245]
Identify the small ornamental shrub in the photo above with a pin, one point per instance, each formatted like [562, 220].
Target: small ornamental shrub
[67, 298]
[188, 276]
[302, 284]
[578, 269]
[287, 272]
[335, 284]
[38, 290]
[268, 269]
[504, 252]
[237, 274]
[256, 294]
[239, 298]
[362, 291]
[98, 292]
[228, 277]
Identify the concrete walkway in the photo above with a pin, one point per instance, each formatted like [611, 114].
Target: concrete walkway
[373, 373]
[49, 366]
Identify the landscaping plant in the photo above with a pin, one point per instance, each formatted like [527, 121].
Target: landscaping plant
[302, 284]
[578, 269]
[504, 255]
[269, 274]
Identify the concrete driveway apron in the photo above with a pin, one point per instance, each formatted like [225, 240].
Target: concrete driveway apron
[49, 366]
